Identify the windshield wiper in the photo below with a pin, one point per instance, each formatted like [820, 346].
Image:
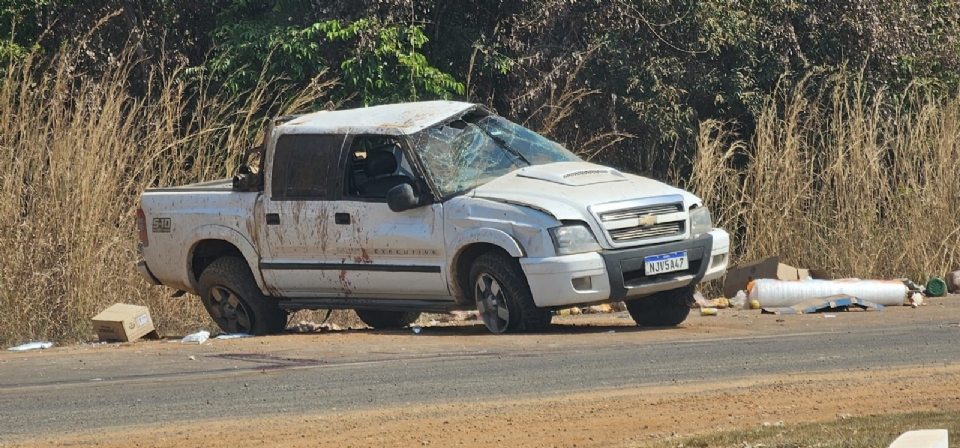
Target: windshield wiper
[503, 144]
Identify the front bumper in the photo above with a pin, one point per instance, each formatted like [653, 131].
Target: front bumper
[616, 275]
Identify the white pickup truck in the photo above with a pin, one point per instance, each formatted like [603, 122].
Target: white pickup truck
[426, 207]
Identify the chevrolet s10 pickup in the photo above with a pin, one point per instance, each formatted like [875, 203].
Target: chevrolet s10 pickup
[419, 207]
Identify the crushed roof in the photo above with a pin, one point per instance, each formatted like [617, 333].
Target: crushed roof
[390, 119]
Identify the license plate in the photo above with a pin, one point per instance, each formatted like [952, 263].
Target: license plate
[661, 264]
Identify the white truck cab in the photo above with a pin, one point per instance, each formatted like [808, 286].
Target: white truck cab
[426, 207]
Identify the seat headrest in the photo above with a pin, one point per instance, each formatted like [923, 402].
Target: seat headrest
[380, 161]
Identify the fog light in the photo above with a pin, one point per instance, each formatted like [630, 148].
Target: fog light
[718, 260]
[582, 283]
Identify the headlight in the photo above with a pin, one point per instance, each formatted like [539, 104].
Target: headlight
[700, 221]
[574, 239]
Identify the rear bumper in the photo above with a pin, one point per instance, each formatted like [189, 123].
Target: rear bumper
[616, 275]
[146, 274]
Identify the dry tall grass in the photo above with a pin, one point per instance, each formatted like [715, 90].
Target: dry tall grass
[834, 179]
[76, 153]
[862, 185]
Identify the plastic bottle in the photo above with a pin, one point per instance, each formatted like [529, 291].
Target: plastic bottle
[936, 287]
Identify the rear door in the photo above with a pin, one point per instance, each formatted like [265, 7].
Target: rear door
[297, 217]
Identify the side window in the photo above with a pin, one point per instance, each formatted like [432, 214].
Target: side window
[305, 166]
[375, 164]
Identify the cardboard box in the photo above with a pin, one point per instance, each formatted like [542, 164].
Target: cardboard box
[739, 276]
[125, 323]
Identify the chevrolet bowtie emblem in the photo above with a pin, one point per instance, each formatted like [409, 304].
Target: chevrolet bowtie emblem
[647, 221]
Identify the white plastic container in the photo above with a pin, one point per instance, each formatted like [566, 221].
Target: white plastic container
[778, 293]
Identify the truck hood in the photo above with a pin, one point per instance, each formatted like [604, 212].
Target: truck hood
[566, 189]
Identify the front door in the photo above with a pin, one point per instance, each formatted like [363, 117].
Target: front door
[378, 253]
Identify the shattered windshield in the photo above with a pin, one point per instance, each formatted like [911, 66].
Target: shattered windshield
[462, 155]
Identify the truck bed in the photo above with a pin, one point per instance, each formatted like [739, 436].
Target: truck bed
[210, 185]
[177, 218]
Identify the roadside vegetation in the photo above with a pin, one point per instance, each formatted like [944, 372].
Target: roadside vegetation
[827, 134]
[78, 150]
[854, 432]
[862, 184]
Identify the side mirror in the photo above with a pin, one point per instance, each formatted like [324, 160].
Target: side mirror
[247, 179]
[402, 198]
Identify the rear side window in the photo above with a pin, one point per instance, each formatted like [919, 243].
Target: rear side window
[305, 166]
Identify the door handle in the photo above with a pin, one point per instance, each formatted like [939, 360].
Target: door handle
[273, 219]
[341, 218]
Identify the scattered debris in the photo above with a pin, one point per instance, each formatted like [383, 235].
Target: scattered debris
[31, 346]
[465, 315]
[840, 302]
[310, 327]
[415, 328]
[916, 299]
[936, 287]
[912, 285]
[598, 309]
[199, 337]
[780, 294]
[233, 335]
[605, 308]
[844, 416]
[192, 358]
[738, 277]
[708, 311]
[702, 302]
[953, 282]
[124, 323]
[739, 300]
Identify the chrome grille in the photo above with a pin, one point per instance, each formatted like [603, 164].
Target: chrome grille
[641, 211]
[639, 233]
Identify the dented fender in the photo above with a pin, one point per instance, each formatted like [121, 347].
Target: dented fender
[526, 227]
[232, 236]
[489, 236]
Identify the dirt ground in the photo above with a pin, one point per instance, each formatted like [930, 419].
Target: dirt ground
[624, 417]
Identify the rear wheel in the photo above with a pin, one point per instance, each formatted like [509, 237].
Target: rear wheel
[503, 296]
[235, 302]
[663, 309]
[387, 319]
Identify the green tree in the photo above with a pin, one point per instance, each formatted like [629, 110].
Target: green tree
[377, 61]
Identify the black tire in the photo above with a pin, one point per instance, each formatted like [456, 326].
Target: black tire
[387, 319]
[235, 302]
[663, 309]
[503, 296]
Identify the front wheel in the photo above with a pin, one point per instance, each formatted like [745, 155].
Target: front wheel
[235, 302]
[387, 319]
[503, 296]
[662, 309]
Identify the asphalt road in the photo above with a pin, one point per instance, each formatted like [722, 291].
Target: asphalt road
[89, 389]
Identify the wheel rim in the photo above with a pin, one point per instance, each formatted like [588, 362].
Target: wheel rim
[491, 304]
[228, 311]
